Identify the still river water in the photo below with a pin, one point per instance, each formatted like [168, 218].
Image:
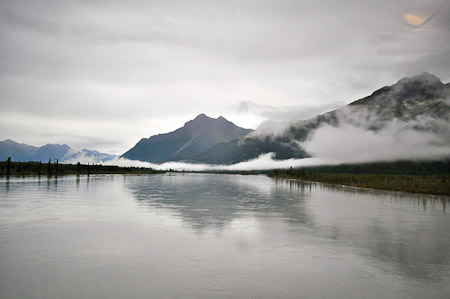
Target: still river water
[218, 236]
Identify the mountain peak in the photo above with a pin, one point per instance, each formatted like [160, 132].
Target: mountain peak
[200, 120]
[202, 116]
[423, 78]
[418, 88]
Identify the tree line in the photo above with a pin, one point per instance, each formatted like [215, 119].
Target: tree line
[52, 168]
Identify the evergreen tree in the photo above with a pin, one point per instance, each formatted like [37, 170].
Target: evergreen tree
[8, 166]
[49, 167]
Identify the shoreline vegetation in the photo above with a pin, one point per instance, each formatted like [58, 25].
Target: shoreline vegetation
[404, 176]
[55, 169]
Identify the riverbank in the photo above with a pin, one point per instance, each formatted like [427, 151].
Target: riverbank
[38, 168]
[425, 184]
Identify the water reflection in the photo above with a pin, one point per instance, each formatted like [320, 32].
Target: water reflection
[7, 184]
[214, 201]
[402, 233]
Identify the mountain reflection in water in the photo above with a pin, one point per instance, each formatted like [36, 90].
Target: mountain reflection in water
[391, 227]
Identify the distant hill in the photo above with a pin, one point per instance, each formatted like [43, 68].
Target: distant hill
[24, 153]
[186, 143]
[50, 151]
[17, 151]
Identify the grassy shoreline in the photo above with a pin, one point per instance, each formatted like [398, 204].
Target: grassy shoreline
[423, 184]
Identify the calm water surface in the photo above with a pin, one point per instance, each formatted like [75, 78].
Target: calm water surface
[218, 236]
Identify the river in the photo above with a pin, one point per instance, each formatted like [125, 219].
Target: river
[218, 236]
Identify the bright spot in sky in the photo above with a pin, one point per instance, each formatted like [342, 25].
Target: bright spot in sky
[414, 20]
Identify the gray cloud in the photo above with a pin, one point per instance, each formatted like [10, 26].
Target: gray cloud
[149, 66]
[397, 141]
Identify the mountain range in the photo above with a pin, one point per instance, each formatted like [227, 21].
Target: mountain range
[414, 104]
[24, 152]
[421, 103]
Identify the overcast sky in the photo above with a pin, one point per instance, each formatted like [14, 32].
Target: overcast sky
[103, 74]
